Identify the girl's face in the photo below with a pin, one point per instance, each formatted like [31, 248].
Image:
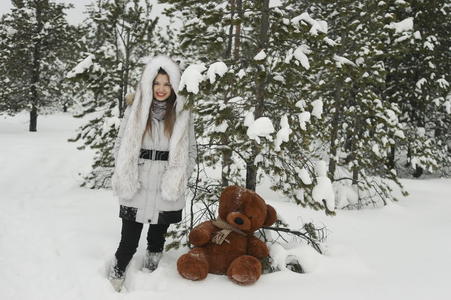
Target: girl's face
[161, 87]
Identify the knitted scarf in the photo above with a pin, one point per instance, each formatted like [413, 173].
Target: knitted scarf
[221, 235]
[158, 109]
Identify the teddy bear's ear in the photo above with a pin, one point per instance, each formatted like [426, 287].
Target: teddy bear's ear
[271, 216]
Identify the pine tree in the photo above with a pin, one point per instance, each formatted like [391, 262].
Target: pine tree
[118, 36]
[266, 52]
[361, 125]
[418, 82]
[320, 96]
[34, 37]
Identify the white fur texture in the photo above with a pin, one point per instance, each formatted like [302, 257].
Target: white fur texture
[125, 178]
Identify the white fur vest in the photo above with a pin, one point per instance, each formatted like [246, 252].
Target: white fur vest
[174, 181]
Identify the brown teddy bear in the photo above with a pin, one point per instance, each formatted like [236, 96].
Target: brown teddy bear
[227, 245]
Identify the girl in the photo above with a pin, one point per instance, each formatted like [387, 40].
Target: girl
[154, 155]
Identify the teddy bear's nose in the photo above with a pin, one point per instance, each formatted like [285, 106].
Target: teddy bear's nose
[239, 221]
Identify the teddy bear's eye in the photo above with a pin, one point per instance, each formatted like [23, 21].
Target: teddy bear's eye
[239, 221]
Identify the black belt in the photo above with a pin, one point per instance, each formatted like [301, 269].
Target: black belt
[154, 154]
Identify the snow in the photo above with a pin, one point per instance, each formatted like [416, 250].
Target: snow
[340, 61]
[289, 56]
[329, 41]
[283, 134]
[260, 56]
[192, 77]
[81, 67]
[304, 117]
[400, 134]
[221, 127]
[317, 110]
[417, 35]
[262, 127]
[193, 21]
[376, 150]
[404, 25]
[274, 3]
[279, 78]
[237, 99]
[420, 83]
[300, 55]
[421, 131]
[360, 61]
[429, 45]
[443, 83]
[305, 176]
[108, 123]
[249, 118]
[301, 103]
[217, 68]
[10, 31]
[447, 105]
[391, 117]
[323, 189]
[345, 194]
[241, 74]
[57, 238]
[305, 255]
[317, 25]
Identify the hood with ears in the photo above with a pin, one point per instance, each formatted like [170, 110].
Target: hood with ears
[145, 85]
[125, 178]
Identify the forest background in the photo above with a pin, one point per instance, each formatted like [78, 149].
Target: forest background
[335, 101]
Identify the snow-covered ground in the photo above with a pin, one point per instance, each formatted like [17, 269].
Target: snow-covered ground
[57, 238]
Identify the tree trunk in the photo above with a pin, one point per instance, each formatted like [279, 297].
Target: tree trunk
[355, 186]
[226, 163]
[409, 156]
[391, 157]
[417, 172]
[260, 82]
[236, 51]
[251, 175]
[236, 7]
[34, 100]
[228, 51]
[33, 118]
[334, 134]
[355, 176]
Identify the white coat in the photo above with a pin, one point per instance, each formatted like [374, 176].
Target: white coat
[150, 187]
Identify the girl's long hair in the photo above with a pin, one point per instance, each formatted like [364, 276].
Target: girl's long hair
[169, 117]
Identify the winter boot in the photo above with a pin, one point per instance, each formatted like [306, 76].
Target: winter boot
[116, 277]
[151, 260]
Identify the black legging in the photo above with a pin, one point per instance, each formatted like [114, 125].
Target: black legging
[130, 234]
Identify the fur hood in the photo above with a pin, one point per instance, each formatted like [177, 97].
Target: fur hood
[125, 177]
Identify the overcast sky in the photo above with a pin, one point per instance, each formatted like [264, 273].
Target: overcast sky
[74, 15]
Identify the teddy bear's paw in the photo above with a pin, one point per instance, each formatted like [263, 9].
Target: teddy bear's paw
[244, 270]
[193, 265]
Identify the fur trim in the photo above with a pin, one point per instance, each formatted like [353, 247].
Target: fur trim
[174, 180]
[125, 178]
[173, 183]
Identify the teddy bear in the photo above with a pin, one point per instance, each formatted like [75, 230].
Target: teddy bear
[227, 245]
